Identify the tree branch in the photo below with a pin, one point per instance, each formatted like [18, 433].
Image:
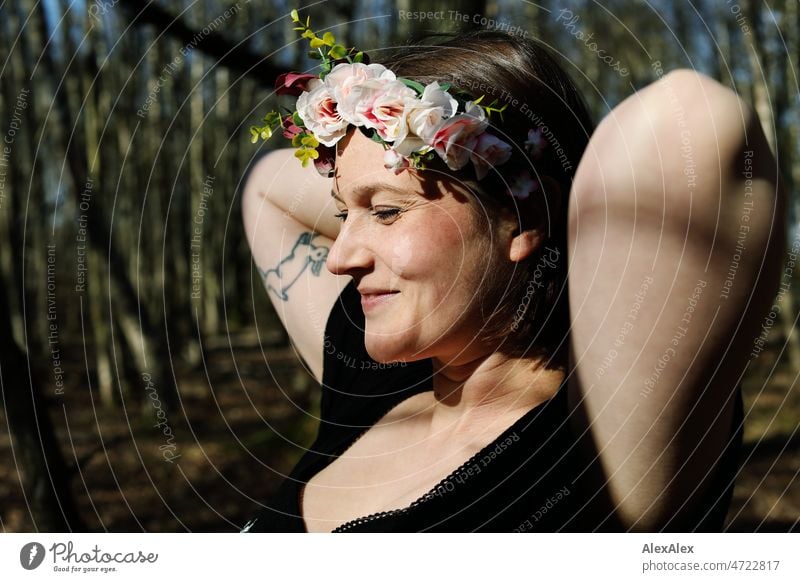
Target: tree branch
[236, 57]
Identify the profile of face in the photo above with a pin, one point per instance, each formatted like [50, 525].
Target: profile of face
[418, 254]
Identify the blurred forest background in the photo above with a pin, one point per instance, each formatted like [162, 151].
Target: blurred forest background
[146, 381]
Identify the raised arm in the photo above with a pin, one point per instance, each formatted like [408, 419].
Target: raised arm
[289, 222]
[676, 243]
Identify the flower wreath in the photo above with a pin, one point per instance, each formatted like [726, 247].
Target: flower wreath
[412, 122]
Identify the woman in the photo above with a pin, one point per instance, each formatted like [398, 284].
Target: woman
[465, 386]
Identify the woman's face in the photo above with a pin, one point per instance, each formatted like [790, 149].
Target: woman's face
[417, 253]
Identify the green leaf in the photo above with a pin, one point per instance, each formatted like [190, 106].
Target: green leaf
[309, 140]
[294, 15]
[337, 52]
[417, 161]
[492, 109]
[359, 57]
[328, 39]
[305, 154]
[413, 84]
[273, 119]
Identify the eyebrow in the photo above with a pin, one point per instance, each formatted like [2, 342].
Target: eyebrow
[370, 189]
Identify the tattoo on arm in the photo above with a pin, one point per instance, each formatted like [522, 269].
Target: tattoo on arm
[305, 255]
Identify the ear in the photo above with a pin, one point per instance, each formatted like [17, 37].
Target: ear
[524, 244]
[525, 241]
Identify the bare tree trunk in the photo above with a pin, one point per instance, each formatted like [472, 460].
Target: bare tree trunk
[150, 338]
[235, 56]
[98, 166]
[44, 476]
[763, 67]
[97, 312]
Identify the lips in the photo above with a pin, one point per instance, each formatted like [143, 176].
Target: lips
[373, 298]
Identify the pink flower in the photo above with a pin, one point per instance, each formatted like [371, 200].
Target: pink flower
[489, 151]
[348, 84]
[388, 111]
[424, 115]
[457, 136]
[394, 161]
[523, 184]
[289, 128]
[535, 143]
[292, 83]
[326, 161]
[379, 104]
[319, 113]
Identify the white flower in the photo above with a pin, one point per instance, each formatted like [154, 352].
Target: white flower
[456, 137]
[394, 161]
[387, 111]
[319, 113]
[424, 116]
[489, 151]
[349, 83]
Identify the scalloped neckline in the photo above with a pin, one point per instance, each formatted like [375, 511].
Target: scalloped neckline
[428, 494]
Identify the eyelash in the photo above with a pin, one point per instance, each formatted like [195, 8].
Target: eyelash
[379, 214]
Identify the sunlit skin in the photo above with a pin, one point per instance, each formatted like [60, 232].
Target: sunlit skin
[414, 233]
[630, 216]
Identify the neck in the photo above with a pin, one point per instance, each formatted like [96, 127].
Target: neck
[489, 385]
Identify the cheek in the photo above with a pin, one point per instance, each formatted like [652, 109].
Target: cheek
[458, 250]
[432, 251]
[447, 273]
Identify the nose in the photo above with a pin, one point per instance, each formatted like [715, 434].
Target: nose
[350, 251]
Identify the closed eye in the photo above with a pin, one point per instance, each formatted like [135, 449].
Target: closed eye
[386, 215]
[382, 215]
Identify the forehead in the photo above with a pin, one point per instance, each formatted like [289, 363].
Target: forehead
[359, 167]
[360, 172]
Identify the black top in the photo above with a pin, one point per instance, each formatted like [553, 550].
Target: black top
[530, 478]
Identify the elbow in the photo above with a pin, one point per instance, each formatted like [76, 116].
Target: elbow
[258, 178]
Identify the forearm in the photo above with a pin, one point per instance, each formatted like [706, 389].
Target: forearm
[301, 193]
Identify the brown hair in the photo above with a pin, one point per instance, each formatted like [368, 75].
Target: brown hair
[530, 300]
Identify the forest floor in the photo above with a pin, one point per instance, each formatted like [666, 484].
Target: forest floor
[242, 424]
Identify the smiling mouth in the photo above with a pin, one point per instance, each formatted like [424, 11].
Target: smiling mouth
[370, 301]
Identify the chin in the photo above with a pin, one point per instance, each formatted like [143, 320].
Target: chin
[382, 349]
[388, 348]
